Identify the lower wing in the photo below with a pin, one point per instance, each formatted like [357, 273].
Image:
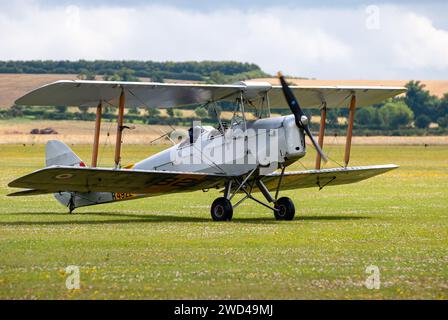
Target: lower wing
[324, 177]
[78, 179]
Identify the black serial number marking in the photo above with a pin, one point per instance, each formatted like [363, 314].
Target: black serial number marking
[122, 196]
[176, 182]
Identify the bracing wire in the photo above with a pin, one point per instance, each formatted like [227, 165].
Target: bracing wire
[335, 140]
[301, 163]
[144, 104]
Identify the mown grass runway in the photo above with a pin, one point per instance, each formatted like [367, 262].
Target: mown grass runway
[168, 247]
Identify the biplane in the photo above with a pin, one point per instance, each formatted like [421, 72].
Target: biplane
[239, 159]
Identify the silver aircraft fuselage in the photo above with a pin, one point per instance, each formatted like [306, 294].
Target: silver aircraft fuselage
[266, 143]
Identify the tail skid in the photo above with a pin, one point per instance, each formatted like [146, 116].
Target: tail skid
[73, 200]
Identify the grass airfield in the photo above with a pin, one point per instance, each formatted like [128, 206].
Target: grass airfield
[168, 247]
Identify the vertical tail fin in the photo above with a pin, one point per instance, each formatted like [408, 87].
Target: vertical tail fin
[58, 153]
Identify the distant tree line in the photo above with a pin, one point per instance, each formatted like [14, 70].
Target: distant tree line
[207, 71]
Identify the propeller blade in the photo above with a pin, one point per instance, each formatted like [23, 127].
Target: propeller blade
[292, 101]
[298, 114]
[316, 145]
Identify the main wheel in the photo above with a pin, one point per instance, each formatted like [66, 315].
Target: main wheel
[286, 209]
[222, 210]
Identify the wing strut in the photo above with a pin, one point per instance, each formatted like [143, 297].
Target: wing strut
[351, 118]
[119, 129]
[323, 118]
[96, 141]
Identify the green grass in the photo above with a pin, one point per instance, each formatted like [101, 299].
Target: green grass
[167, 247]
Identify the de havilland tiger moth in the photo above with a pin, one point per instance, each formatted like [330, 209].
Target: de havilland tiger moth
[238, 159]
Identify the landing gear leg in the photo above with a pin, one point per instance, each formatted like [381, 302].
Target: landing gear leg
[285, 209]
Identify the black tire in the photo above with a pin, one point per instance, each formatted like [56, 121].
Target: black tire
[222, 210]
[286, 209]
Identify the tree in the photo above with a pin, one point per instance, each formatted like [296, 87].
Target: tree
[153, 112]
[86, 75]
[396, 114]
[83, 109]
[443, 121]
[133, 110]
[170, 112]
[110, 109]
[422, 121]
[201, 112]
[153, 116]
[217, 77]
[61, 109]
[178, 113]
[332, 117]
[15, 111]
[157, 77]
[124, 74]
[368, 116]
[420, 101]
[442, 108]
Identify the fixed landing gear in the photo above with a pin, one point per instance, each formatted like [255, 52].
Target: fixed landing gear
[222, 208]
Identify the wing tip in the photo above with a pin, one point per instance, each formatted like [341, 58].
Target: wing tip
[23, 100]
[392, 166]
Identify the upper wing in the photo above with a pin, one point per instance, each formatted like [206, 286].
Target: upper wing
[138, 94]
[334, 96]
[324, 177]
[166, 95]
[60, 178]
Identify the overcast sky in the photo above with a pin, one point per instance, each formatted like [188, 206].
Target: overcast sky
[329, 40]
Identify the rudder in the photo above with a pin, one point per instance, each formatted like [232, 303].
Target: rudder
[57, 153]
